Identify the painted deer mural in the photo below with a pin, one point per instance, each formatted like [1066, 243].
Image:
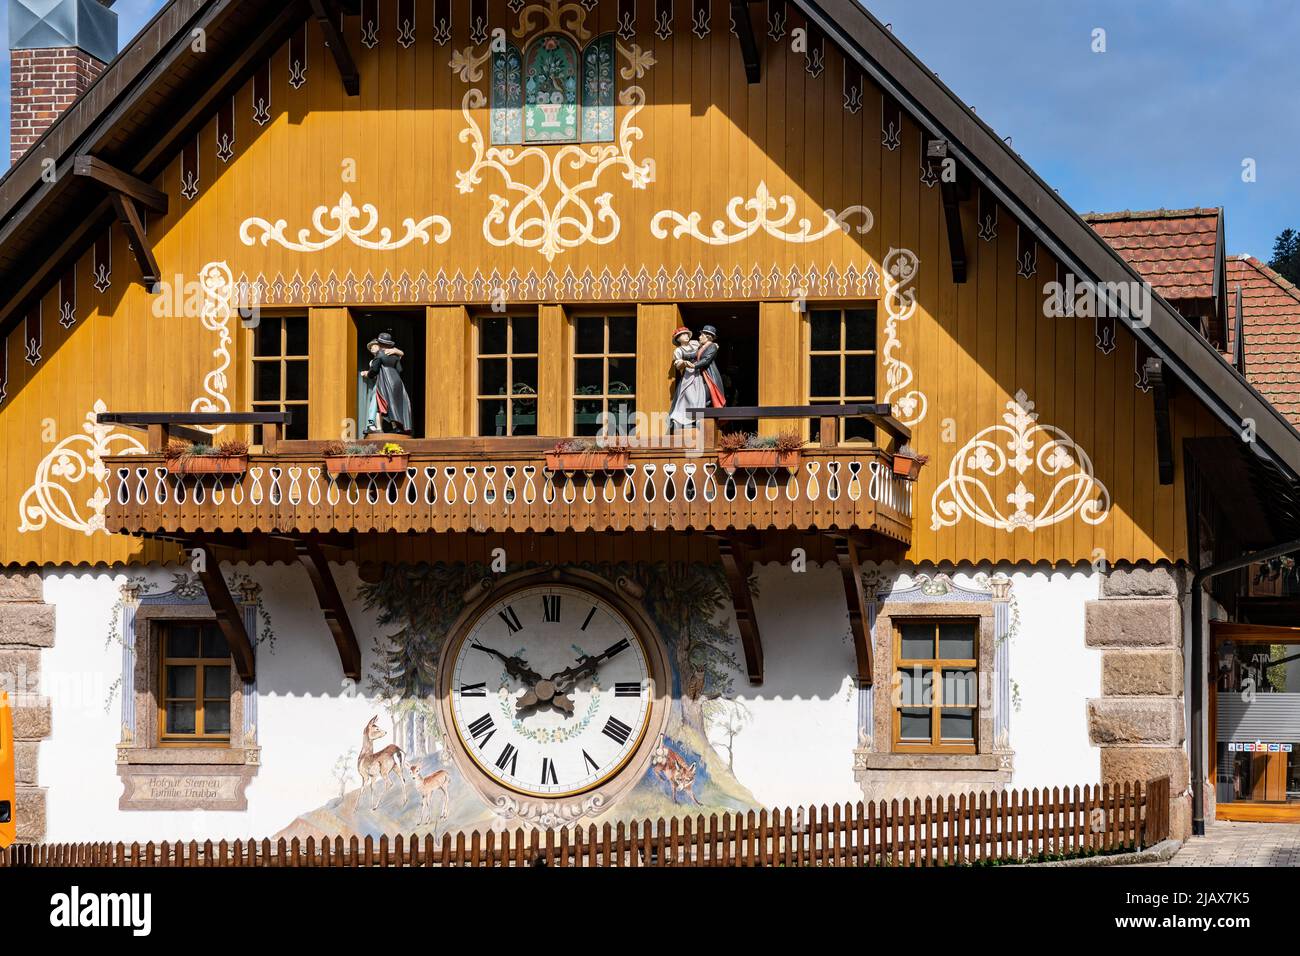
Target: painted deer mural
[672, 768]
[438, 781]
[373, 767]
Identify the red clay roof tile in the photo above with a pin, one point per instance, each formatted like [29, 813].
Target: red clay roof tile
[1173, 249]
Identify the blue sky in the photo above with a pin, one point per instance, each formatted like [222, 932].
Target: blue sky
[1186, 90]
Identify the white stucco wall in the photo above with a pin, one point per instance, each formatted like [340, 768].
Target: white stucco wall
[797, 747]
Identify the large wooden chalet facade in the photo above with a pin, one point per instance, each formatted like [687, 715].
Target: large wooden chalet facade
[533, 196]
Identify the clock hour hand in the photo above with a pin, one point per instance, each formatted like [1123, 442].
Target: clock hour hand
[586, 666]
[515, 666]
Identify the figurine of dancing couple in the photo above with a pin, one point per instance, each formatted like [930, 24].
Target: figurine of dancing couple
[698, 378]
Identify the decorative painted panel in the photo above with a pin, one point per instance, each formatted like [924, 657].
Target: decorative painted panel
[507, 96]
[551, 90]
[598, 90]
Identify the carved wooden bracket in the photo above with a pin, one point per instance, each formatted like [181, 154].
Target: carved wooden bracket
[129, 195]
[846, 553]
[937, 149]
[327, 13]
[1155, 375]
[331, 603]
[738, 568]
[229, 617]
[748, 42]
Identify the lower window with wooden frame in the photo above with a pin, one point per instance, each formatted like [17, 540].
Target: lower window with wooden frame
[194, 703]
[936, 700]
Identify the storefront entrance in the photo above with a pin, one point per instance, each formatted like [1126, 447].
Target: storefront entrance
[1255, 722]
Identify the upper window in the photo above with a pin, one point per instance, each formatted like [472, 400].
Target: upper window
[195, 701]
[842, 364]
[604, 374]
[507, 375]
[280, 371]
[936, 702]
[553, 92]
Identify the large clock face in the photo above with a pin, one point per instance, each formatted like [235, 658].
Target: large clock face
[551, 690]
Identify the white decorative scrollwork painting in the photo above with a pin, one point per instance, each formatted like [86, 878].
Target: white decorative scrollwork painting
[1050, 452]
[910, 404]
[761, 210]
[218, 293]
[74, 467]
[549, 200]
[344, 216]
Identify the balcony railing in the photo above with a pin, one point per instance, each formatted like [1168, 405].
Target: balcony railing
[504, 484]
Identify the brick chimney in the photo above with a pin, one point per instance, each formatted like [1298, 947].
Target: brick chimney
[56, 49]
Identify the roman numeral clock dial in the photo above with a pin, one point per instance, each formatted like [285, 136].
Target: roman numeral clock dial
[551, 690]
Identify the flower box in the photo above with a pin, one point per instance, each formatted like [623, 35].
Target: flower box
[611, 460]
[366, 464]
[905, 466]
[759, 458]
[208, 465]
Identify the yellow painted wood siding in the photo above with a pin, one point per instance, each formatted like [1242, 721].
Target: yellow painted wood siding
[713, 140]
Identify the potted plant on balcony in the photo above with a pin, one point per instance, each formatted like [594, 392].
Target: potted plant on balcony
[747, 450]
[365, 458]
[196, 458]
[907, 463]
[581, 454]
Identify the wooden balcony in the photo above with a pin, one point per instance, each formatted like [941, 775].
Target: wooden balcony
[504, 485]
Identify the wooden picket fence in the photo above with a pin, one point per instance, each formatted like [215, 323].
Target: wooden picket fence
[997, 826]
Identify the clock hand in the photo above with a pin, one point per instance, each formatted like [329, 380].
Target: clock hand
[515, 666]
[586, 666]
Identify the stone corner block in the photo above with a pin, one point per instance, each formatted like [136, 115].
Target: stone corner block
[1127, 764]
[30, 625]
[1134, 622]
[1127, 672]
[1136, 720]
[33, 721]
[1180, 817]
[21, 586]
[1159, 580]
[29, 814]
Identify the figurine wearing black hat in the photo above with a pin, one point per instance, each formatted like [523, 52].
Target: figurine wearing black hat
[706, 363]
[389, 406]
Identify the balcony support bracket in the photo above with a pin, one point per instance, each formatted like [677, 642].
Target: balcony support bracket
[229, 618]
[738, 567]
[313, 559]
[846, 553]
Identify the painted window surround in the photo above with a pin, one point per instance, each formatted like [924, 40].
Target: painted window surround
[938, 596]
[172, 777]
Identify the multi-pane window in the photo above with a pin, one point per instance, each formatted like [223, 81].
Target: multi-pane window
[280, 371]
[604, 374]
[842, 364]
[507, 375]
[194, 702]
[936, 705]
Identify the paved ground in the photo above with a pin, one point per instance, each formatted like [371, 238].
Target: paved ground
[1242, 844]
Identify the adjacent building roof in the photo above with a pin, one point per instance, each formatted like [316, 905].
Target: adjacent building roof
[1176, 250]
[1271, 306]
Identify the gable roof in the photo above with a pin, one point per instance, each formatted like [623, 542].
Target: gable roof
[1271, 306]
[159, 90]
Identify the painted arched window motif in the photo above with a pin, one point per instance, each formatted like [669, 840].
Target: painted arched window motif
[507, 96]
[598, 90]
[554, 93]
